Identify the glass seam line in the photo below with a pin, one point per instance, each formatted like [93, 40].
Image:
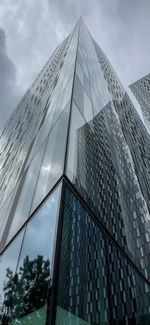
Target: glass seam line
[56, 261]
[99, 223]
[71, 101]
[96, 220]
[33, 213]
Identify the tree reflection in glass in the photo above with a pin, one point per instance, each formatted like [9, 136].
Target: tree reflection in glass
[26, 291]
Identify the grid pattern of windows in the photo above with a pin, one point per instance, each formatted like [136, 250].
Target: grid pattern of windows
[108, 152]
[96, 282]
[77, 253]
[33, 143]
[141, 90]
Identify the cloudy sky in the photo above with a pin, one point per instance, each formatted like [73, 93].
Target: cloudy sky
[31, 29]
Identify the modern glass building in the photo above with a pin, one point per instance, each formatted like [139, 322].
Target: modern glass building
[141, 90]
[74, 189]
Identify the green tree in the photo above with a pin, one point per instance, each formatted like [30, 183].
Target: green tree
[27, 290]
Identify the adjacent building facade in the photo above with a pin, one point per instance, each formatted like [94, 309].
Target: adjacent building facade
[141, 90]
[74, 188]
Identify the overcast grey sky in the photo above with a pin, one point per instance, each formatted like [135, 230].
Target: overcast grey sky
[31, 29]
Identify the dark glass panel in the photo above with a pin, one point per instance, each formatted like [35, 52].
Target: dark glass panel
[82, 293]
[97, 284]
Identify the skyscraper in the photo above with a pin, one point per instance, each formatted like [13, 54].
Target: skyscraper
[141, 90]
[74, 182]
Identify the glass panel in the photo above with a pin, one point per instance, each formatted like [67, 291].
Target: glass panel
[53, 162]
[79, 72]
[88, 114]
[43, 132]
[33, 278]
[6, 212]
[101, 168]
[75, 137]
[97, 284]
[43, 225]
[63, 100]
[87, 86]
[8, 266]
[78, 93]
[82, 286]
[63, 317]
[82, 100]
[129, 293]
[25, 199]
[67, 94]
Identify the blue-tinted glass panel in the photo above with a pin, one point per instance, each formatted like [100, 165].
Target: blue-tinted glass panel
[97, 284]
[83, 291]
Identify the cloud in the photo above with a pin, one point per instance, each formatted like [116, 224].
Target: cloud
[120, 27]
[7, 80]
[124, 37]
[34, 28]
[32, 35]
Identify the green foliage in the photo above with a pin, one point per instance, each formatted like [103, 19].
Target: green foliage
[25, 291]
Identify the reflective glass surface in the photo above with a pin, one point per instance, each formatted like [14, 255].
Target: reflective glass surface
[97, 284]
[24, 203]
[26, 277]
[26, 130]
[141, 90]
[8, 265]
[77, 101]
[53, 161]
[108, 152]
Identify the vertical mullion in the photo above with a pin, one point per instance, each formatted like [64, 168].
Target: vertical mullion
[69, 122]
[52, 300]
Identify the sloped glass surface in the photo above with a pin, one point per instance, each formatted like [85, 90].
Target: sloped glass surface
[26, 193]
[26, 285]
[63, 317]
[64, 99]
[5, 214]
[77, 121]
[53, 161]
[100, 166]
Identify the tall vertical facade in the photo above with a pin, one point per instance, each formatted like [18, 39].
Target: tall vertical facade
[141, 90]
[74, 189]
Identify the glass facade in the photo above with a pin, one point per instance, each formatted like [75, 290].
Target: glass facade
[74, 189]
[97, 284]
[25, 281]
[141, 90]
